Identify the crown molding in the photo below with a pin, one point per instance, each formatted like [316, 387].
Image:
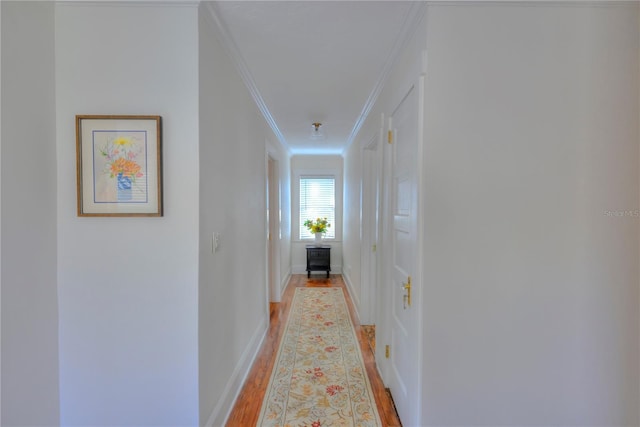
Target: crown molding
[232, 49]
[129, 3]
[410, 24]
[534, 3]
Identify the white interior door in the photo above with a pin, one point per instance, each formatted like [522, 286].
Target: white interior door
[369, 232]
[404, 268]
[273, 223]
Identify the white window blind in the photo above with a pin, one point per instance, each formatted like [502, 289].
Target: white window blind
[317, 200]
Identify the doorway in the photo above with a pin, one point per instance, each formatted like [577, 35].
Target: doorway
[369, 229]
[273, 228]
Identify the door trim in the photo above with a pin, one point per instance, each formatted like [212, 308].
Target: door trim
[370, 214]
[273, 201]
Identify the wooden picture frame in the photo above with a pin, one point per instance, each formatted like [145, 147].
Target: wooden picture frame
[119, 165]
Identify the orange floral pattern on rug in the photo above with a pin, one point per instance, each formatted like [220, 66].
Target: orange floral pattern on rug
[319, 378]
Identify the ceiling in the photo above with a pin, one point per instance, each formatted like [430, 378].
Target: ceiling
[314, 61]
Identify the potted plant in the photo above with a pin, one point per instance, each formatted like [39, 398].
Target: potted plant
[318, 227]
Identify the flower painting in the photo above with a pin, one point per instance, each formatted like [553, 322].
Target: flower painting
[119, 165]
[122, 160]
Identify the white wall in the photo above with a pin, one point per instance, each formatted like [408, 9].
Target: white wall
[531, 263]
[233, 295]
[128, 287]
[401, 77]
[29, 301]
[0, 209]
[320, 165]
[352, 222]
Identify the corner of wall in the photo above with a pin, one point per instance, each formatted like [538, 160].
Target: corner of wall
[354, 295]
[29, 289]
[225, 404]
[285, 281]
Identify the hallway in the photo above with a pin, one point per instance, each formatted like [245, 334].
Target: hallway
[526, 190]
[249, 402]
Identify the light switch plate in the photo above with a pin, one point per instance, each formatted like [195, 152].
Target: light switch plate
[215, 238]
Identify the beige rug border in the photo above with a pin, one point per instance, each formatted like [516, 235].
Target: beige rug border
[354, 336]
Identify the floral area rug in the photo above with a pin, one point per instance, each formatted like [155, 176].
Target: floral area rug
[319, 378]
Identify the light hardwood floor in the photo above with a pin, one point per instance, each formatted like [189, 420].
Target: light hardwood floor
[247, 408]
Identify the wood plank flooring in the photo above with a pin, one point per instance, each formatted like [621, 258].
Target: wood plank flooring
[247, 408]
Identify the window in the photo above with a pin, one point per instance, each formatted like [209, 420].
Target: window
[317, 200]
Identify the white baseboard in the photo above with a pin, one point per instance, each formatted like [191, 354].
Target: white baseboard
[284, 283]
[298, 269]
[225, 404]
[356, 301]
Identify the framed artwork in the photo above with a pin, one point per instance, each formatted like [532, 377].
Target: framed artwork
[119, 165]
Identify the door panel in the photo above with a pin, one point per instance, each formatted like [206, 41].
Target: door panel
[405, 337]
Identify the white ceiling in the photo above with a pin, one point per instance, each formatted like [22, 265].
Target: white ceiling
[314, 61]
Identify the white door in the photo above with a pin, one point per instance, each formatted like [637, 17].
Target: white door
[404, 267]
[273, 224]
[369, 208]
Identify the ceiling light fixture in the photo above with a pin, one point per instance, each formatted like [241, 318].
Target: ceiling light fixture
[316, 132]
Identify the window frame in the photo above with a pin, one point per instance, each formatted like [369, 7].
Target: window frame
[334, 173]
[332, 223]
